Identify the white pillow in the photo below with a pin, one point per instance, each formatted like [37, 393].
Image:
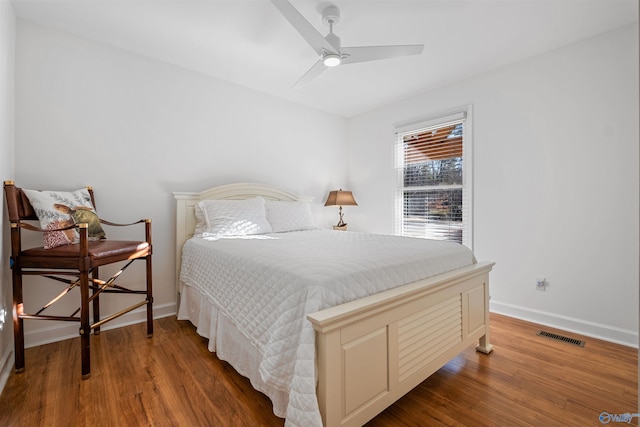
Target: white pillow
[201, 221]
[289, 216]
[234, 217]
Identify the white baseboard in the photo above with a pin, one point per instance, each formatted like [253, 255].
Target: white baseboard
[603, 332]
[62, 331]
[6, 366]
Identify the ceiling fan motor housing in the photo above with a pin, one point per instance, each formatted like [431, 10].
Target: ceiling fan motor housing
[334, 40]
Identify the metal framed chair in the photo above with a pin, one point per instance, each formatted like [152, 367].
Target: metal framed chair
[76, 265]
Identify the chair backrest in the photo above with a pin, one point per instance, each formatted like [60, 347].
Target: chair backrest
[18, 204]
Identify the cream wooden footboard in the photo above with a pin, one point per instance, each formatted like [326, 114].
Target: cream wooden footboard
[373, 351]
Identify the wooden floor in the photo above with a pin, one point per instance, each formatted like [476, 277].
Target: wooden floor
[172, 380]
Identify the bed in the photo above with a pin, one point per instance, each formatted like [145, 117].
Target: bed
[340, 353]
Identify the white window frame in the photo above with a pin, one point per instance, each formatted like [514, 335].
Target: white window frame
[414, 126]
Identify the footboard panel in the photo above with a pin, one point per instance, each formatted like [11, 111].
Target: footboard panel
[373, 351]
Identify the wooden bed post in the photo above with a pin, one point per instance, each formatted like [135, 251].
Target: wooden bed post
[484, 345]
[329, 379]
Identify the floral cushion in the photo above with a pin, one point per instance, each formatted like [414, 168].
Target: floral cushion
[58, 209]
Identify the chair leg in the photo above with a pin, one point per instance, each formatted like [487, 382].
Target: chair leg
[85, 327]
[149, 298]
[18, 323]
[96, 303]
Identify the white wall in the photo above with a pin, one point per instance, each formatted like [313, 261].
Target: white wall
[138, 129]
[7, 96]
[555, 181]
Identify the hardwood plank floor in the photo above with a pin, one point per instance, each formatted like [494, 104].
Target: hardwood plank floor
[173, 380]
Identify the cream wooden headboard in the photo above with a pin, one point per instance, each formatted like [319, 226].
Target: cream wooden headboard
[186, 201]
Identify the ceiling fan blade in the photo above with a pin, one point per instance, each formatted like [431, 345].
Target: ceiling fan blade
[306, 30]
[311, 74]
[373, 53]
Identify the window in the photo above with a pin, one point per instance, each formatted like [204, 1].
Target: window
[433, 163]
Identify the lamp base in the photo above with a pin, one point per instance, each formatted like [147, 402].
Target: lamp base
[340, 227]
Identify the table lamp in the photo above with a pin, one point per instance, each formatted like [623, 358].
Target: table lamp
[340, 198]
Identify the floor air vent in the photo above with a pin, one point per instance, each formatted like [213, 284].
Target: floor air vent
[557, 337]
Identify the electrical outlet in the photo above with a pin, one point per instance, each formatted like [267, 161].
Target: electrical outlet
[3, 313]
[540, 284]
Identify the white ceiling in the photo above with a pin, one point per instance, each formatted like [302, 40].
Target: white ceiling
[249, 43]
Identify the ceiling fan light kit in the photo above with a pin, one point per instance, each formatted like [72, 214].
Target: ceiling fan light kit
[331, 59]
[329, 48]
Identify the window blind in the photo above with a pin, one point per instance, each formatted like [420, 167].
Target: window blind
[432, 195]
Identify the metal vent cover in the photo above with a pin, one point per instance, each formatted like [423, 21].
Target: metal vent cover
[557, 337]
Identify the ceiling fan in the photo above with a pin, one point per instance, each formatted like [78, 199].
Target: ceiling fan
[330, 49]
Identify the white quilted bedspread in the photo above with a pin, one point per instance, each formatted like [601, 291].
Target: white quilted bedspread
[267, 285]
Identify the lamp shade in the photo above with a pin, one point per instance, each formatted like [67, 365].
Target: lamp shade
[340, 198]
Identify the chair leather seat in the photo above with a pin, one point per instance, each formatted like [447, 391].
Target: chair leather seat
[98, 250]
